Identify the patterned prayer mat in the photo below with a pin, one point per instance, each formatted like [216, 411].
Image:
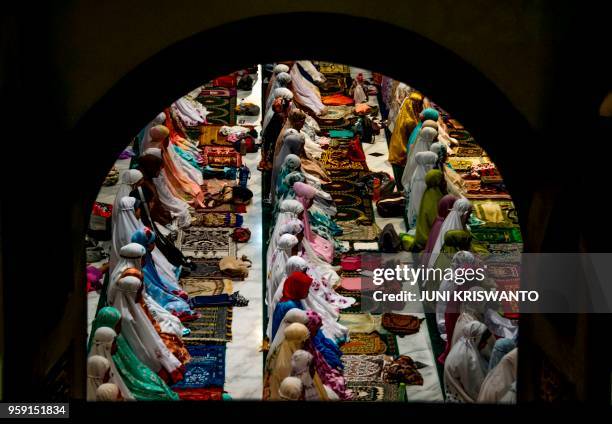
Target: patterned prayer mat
[353, 231]
[503, 271]
[373, 391]
[205, 242]
[336, 159]
[364, 344]
[206, 268]
[225, 207]
[497, 234]
[217, 219]
[206, 368]
[209, 135]
[505, 251]
[468, 151]
[498, 213]
[220, 104]
[214, 325]
[195, 286]
[208, 393]
[510, 285]
[221, 156]
[363, 368]
[334, 69]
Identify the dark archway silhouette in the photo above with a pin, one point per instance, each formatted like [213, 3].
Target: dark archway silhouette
[111, 123]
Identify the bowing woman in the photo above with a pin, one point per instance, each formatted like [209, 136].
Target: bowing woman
[141, 334]
[170, 297]
[141, 381]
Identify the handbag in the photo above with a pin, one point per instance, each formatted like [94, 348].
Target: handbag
[401, 325]
[234, 267]
[365, 184]
[241, 235]
[391, 207]
[241, 195]
[402, 370]
[389, 241]
[350, 263]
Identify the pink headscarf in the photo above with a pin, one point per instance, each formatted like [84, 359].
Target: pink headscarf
[304, 191]
[444, 206]
[323, 247]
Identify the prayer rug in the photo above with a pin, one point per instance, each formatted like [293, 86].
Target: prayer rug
[468, 151]
[337, 99]
[206, 286]
[373, 391]
[463, 163]
[220, 105]
[216, 219]
[361, 323]
[391, 341]
[510, 308]
[208, 393]
[205, 369]
[335, 84]
[499, 213]
[355, 308]
[363, 368]
[498, 235]
[214, 325]
[334, 69]
[354, 231]
[221, 156]
[209, 135]
[208, 268]
[364, 344]
[205, 242]
[337, 159]
[503, 271]
[504, 251]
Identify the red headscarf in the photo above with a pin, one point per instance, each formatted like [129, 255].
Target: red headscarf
[296, 286]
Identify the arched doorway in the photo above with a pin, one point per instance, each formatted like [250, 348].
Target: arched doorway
[463, 91]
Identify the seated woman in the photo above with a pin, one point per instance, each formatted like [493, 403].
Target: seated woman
[326, 357]
[292, 163]
[140, 380]
[306, 93]
[273, 122]
[499, 382]
[152, 169]
[168, 296]
[444, 206]
[301, 367]
[130, 179]
[296, 121]
[465, 368]
[424, 140]
[98, 373]
[321, 299]
[150, 166]
[281, 67]
[144, 139]
[282, 79]
[127, 223]
[277, 266]
[405, 124]
[414, 189]
[141, 334]
[289, 210]
[454, 183]
[180, 184]
[108, 392]
[295, 288]
[310, 166]
[291, 389]
[428, 210]
[278, 364]
[323, 247]
[104, 345]
[455, 220]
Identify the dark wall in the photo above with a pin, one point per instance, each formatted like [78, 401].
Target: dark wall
[79, 79]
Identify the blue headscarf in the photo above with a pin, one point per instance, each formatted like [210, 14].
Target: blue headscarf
[428, 114]
[280, 311]
[155, 285]
[500, 349]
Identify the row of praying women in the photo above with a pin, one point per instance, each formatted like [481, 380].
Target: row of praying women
[135, 346]
[304, 359]
[480, 356]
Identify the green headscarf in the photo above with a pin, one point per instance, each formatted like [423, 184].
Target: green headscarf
[454, 241]
[428, 114]
[143, 383]
[428, 210]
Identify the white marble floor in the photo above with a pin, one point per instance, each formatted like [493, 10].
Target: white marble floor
[417, 346]
[243, 358]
